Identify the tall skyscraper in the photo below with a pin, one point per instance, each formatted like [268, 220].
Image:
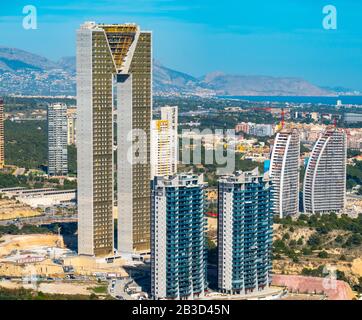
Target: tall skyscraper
[71, 118]
[325, 176]
[113, 63]
[178, 255]
[244, 232]
[57, 140]
[284, 172]
[164, 143]
[2, 143]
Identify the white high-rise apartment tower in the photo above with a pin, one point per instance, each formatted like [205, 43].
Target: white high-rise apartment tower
[245, 232]
[57, 140]
[284, 172]
[178, 229]
[325, 176]
[164, 143]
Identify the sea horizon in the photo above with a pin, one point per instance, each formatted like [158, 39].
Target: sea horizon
[324, 100]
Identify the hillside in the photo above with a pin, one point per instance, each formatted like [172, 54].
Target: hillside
[25, 73]
[12, 60]
[308, 245]
[240, 85]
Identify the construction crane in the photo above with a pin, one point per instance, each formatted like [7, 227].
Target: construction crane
[280, 126]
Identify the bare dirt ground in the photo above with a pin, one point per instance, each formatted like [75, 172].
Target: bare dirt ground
[212, 224]
[88, 266]
[53, 288]
[212, 228]
[9, 244]
[10, 209]
[25, 242]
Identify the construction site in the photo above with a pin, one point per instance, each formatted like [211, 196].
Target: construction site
[43, 263]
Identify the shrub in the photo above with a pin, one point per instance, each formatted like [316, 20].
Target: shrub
[307, 251]
[339, 239]
[286, 236]
[354, 240]
[342, 258]
[314, 240]
[292, 243]
[323, 254]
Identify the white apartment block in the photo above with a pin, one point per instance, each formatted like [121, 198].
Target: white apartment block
[284, 172]
[164, 143]
[57, 140]
[325, 176]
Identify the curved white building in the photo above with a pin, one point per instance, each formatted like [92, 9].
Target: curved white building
[325, 176]
[284, 172]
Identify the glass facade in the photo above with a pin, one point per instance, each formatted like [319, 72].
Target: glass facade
[178, 241]
[57, 140]
[244, 233]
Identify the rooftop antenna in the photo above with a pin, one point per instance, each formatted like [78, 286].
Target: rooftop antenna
[282, 122]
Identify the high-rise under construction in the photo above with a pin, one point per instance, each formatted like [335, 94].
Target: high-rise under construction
[113, 70]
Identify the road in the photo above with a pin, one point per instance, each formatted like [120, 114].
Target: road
[119, 289]
[354, 196]
[46, 219]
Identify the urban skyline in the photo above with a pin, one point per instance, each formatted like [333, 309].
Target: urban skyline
[130, 191]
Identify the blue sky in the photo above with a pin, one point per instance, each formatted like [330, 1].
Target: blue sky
[263, 37]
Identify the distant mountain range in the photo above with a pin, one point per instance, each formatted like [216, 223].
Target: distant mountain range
[25, 73]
